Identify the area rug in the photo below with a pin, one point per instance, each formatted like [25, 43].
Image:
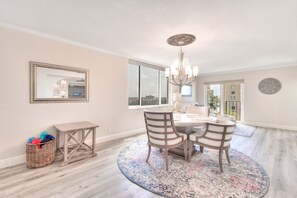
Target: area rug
[244, 130]
[200, 178]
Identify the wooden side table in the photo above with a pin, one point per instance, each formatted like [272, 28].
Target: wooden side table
[68, 131]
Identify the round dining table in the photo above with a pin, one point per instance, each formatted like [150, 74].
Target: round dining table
[191, 120]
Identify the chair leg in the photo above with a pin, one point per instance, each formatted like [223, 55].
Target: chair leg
[166, 158]
[190, 151]
[201, 149]
[149, 153]
[186, 149]
[220, 159]
[227, 155]
[160, 150]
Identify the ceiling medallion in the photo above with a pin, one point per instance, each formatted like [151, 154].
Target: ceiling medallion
[269, 86]
[181, 39]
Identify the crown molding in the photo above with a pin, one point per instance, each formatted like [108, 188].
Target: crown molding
[248, 70]
[56, 38]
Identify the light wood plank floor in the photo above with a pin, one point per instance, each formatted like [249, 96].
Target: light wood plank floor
[274, 149]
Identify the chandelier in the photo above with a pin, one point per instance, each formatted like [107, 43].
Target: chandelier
[181, 72]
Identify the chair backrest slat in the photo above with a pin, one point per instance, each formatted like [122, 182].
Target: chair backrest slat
[157, 132]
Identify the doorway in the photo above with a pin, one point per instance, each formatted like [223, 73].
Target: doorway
[225, 98]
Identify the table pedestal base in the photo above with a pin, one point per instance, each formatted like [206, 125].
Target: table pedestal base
[179, 151]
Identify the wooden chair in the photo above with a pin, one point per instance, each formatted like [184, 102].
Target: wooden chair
[216, 136]
[162, 134]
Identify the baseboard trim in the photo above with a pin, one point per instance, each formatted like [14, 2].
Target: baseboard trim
[286, 127]
[22, 158]
[119, 135]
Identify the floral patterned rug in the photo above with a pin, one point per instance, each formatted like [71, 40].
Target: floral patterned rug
[244, 130]
[200, 178]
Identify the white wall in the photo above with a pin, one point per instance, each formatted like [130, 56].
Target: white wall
[19, 120]
[278, 110]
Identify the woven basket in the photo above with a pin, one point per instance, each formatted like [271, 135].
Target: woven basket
[39, 157]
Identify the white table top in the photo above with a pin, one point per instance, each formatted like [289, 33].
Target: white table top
[74, 126]
[191, 120]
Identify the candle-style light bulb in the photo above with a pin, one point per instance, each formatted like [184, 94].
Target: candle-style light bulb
[195, 70]
[167, 72]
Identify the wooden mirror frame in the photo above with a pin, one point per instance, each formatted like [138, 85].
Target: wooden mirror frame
[33, 83]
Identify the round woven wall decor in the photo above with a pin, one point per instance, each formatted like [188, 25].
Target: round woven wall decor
[269, 86]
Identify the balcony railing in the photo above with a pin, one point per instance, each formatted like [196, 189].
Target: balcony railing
[233, 108]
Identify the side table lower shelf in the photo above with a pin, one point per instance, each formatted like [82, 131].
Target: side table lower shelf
[80, 154]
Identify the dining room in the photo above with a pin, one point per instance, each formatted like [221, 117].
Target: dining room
[148, 99]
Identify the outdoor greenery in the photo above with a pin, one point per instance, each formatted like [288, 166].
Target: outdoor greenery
[214, 102]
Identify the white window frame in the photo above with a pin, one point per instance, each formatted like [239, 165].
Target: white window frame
[159, 68]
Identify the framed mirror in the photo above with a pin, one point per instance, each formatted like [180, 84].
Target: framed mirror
[56, 83]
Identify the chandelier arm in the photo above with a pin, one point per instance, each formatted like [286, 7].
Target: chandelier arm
[188, 83]
[173, 83]
[173, 79]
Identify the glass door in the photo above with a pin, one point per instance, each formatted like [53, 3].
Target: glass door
[214, 99]
[225, 99]
[232, 100]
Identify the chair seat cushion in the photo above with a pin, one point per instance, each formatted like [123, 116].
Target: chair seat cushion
[170, 142]
[206, 141]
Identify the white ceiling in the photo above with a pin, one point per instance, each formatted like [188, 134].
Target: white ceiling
[230, 34]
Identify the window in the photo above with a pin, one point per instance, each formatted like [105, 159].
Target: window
[133, 71]
[147, 84]
[186, 90]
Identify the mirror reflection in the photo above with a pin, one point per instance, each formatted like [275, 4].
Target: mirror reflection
[58, 83]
